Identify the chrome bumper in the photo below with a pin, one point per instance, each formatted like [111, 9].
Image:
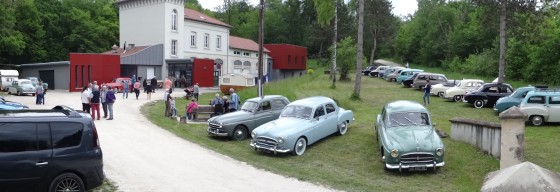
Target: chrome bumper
[266, 148]
[400, 166]
[216, 132]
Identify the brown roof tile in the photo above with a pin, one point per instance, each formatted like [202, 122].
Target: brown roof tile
[201, 17]
[245, 44]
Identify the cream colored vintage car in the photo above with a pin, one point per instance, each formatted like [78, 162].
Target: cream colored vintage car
[439, 89]
[456, 93]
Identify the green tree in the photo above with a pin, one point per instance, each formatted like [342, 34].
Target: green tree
[12, 41]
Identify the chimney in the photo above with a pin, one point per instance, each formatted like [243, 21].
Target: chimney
[131, 46]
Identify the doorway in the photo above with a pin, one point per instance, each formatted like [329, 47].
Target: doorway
[47, 76]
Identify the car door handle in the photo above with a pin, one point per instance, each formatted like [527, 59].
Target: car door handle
[41, 163]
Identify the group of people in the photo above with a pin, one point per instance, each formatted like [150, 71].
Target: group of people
[93, 95]
[221, 105]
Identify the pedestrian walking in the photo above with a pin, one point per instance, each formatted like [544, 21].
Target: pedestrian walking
[145, 84]
[86, 96]
[234, 100]
[94, 103]
[40, 93]
[137, 89]
[103, 98]
[126, 83]
[427, 90]
[196, 91]
[110, 101]
[148, 90]
[193, 105]
[154, 84]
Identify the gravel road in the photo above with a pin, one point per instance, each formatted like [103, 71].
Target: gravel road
[139, 156]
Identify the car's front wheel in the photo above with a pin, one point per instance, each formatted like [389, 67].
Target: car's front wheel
[479, 103]
[537, 120]
[342, 128]
[457, 98]
[299, 147]
[239, 133]
[67, 182]
[440, 94]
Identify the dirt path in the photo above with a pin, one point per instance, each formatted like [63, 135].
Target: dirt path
[139, 156]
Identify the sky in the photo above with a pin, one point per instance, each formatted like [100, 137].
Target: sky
[401, 7]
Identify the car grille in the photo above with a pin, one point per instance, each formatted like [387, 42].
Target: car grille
[417, 158]
[214, 126]
[266, 142]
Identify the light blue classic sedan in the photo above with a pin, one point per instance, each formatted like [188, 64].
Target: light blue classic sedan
[301, 123]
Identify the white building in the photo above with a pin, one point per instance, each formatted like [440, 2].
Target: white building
[185, 34]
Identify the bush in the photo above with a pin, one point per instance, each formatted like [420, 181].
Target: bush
[310, 71]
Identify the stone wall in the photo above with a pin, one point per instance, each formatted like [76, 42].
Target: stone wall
[484, 135]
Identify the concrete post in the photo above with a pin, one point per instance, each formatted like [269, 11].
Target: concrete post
[512, 137]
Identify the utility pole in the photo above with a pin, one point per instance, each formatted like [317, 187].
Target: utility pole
[261, 41]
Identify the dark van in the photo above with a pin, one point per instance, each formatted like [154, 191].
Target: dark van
[49, 150]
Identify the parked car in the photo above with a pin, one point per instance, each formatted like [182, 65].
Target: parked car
[368, 69]
[488, 94]
[9, 107]
[542, 106]
[380, 69]
[466, 85]
[35, 81]
[117, 83]
[302, 123]
[408, 82]
[49, 150]
[434, 78]
[439, 89]
[514, 99]
[391, 75]
[22, 87]
[254, 112]
[385, 72]
[407, 73]
[12, 105]
[407, 138]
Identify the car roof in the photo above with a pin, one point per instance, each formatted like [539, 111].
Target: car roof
[488, 84]
[413, 70]
[424, 73]
[404, 105]
[57, 111]
[312, 101]
[472, 80]
[257, 99]
[544, 92]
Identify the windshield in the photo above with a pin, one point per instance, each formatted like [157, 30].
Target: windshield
[297, 111]
[408, 118]
[249, 106]
[25, 82]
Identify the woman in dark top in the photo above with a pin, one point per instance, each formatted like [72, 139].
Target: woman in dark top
[148, 88]
[95, 100]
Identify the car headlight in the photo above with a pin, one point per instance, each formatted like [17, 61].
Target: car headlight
[253, 135]
[394, 153]
[439, 152]
[280, 140]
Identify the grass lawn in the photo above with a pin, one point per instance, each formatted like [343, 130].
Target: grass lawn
[108, 186]
[352, 162]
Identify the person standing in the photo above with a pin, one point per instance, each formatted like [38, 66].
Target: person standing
[149, 90]
[137, 89]
[133, 79]
[407, 66]
[40, 93]
[94, 103]
[145, 84]
[226, 104]
[218, 104]
[103, 98]
[126, 83]
[196, 91]
[166, 97]
[183, 81]
[234, 100]
[154, 84]
[110, 101]
[86, 96]
[190, 109]
[167, 83]
[427, 90]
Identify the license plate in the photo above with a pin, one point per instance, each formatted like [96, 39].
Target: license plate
[419, 168]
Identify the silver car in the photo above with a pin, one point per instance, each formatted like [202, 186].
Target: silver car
[302, 123]
[254, 112]
[22, 87]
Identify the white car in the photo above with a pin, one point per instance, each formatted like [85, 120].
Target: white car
[439, 89]
[22, 87]
[541, 106]
[466, 85]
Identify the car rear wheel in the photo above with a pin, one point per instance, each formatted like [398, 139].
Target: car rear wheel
[537, 120]
[67, 182]
[440, 94]
[342, 128]
[18, 93]
[299, 147]
[239, 133]
[478, 103]
[457, 98]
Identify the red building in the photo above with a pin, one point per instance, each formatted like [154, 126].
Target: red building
[287, 61]
[86, 68]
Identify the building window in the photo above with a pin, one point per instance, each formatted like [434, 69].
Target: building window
[174, 47]
[289, 59]
[218, 42]
[246, 67]
[226, 80]
[246, 54]
[174, 20]
[193, 39]
[206, 40]
[237, 66]
[237, 52]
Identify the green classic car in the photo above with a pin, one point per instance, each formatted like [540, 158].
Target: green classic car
[407, 138]
[253, 113]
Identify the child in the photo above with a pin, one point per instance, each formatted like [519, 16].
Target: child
[173, 109]
[190, 108]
